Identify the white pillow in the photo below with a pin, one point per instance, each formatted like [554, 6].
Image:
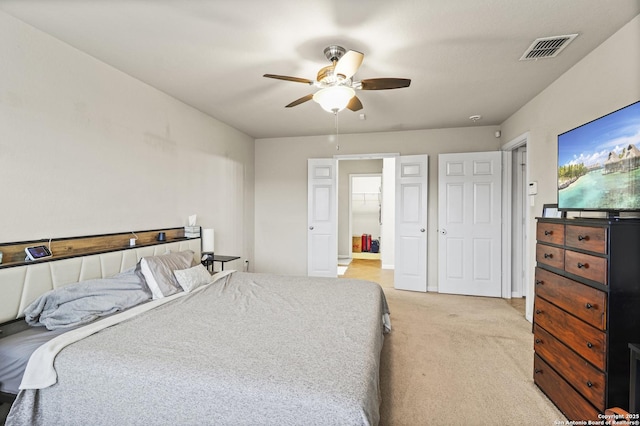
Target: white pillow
[158, 272]
[192, 278]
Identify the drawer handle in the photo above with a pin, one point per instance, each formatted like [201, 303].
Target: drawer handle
[539, 282]
[588, 306]
[548, 255]
[583, 265]
[589, 384]
[537, 371]
[583, 237]
[538, 311]
[548, 232]
[589, 345]
[538, 341]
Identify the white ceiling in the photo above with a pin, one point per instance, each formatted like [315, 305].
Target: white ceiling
[461, 55]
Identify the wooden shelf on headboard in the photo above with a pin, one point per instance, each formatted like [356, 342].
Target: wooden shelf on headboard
[14, 255]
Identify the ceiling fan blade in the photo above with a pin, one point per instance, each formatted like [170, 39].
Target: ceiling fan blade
[385, 83]
[354, 104]
[349, 63]
[287, 78]
[300, 101]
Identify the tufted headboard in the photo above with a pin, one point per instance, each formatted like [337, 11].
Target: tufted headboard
[22, 284]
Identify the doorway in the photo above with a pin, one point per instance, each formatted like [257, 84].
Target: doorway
[518, 224]
[518, 229]
[366, 165]
[516, 214]
[365, 218]
[365, 205]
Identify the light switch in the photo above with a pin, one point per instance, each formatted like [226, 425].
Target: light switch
[533, 188]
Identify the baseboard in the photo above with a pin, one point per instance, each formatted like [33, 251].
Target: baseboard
[386, 266]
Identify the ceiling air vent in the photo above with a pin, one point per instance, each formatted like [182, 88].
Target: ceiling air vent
[547, 47]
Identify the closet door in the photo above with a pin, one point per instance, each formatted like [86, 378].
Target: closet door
[470, 223]
[322, 218]
[411, 223]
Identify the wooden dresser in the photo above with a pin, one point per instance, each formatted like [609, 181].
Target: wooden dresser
[586, 312]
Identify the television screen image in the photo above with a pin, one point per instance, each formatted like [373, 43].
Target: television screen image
[599, 163]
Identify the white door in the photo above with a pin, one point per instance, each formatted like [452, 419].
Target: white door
[470, 223]
[322, 214]
[411, 223]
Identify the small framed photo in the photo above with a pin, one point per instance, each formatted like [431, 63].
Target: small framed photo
[551, 210]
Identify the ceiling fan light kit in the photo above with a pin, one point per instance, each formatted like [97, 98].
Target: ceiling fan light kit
[334, 98]
[337, 88]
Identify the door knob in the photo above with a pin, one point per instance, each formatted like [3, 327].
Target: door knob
[443, 231]
[422, 229]
[311, 228]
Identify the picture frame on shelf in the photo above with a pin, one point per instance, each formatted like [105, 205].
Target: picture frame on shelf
[551, 210]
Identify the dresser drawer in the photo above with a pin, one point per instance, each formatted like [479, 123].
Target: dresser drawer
[586, 238]
[587, 303]
[587, 341]
[552, 233]
[567, 399]
[584, 377]
[552, 256]
[587, 266]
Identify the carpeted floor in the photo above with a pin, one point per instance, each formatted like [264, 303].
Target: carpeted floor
[455, 360]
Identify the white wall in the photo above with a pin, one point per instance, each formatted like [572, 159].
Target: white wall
[281, 192]
[86, 149]
[605, 80]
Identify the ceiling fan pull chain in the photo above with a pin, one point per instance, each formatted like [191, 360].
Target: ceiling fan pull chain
[337, 140]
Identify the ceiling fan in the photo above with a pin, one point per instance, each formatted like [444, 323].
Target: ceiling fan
[336, 83]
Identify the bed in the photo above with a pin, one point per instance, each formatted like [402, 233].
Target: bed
[244, 348]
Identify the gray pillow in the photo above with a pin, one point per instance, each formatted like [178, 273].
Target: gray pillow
[158, 272]
[192, 278]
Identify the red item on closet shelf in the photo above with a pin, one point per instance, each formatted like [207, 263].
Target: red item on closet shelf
[366, 242]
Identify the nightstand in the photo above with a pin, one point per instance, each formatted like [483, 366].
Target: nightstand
[224, 259]
[212, 258]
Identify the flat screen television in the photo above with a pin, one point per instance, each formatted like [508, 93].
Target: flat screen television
[599, 164]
